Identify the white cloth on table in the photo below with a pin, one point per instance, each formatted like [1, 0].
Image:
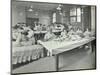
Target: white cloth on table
[54, 45]
[26, 53]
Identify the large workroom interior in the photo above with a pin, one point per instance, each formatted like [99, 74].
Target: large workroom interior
[50, 37]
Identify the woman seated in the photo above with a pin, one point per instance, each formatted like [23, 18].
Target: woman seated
[44, 27]
[63, 35]
[71, 32]
[38, 27]
[31, 36]
[15, 31]
[73, 35]
[79, 32]
[24, 38]
[87, 33]
[49, 35]
[61, 27]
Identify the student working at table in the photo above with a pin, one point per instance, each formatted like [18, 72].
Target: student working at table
[49, 35]
[24, 37]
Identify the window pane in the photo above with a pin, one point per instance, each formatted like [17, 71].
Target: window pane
[54, 18]
[78, 14]
[78, 11]
[73, 19]
[73, 12]
[78, 18]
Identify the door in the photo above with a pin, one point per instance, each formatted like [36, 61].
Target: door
[30, 21]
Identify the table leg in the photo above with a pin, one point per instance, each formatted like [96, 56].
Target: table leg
[57, 62]
[90, 48]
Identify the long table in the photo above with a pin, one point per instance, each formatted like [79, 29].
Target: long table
[56, 47]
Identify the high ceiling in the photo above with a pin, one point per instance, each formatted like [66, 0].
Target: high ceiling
[39, 5]
[35, 5]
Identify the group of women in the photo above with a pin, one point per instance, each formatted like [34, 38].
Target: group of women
[24, 35]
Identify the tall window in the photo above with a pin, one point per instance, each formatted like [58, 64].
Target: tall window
[75, 15]
[54, 18]
[78, 14]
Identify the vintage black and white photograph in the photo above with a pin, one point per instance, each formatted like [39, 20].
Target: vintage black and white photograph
[52, 37]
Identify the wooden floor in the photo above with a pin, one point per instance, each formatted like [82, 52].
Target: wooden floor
[72, 60]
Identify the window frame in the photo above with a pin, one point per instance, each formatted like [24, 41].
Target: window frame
[76, 16]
